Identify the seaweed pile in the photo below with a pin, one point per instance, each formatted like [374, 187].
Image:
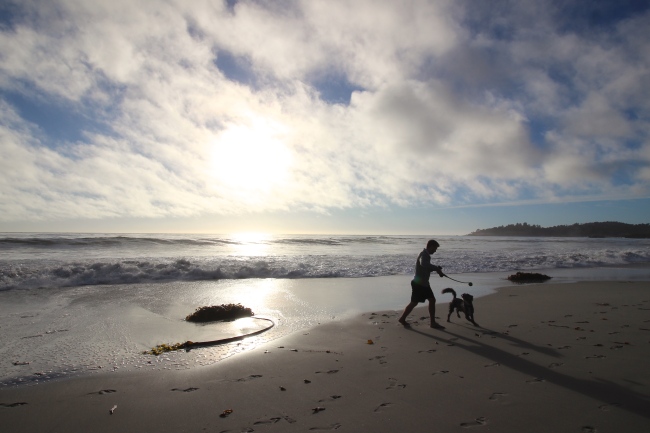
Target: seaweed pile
[219, 312]
[528, 277]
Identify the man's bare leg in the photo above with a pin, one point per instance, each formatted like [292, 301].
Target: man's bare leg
[407, 311]
[432, 314]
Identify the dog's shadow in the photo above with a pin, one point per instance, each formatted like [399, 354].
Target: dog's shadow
[517, 342]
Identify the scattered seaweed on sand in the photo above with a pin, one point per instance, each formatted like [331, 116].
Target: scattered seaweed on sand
[162, 348]
[219, 312]
[528, 277]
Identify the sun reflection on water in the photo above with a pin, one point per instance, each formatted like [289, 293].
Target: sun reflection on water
[250, 243]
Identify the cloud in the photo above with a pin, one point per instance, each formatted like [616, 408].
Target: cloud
[211, 109]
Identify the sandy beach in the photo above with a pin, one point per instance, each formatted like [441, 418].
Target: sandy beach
[545, 358]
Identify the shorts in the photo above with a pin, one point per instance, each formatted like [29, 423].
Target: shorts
[420, 293]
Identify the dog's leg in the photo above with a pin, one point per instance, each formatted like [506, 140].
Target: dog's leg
[451, 310]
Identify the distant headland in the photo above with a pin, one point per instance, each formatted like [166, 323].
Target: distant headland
[609, 229]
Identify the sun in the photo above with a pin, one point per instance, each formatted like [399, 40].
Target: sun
[248, 161]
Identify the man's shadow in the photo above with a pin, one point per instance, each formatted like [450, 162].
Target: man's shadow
[602, 390]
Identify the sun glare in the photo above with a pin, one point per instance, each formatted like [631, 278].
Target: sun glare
[250, 161]
[250, 243]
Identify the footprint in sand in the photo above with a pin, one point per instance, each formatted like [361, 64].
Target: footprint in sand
[268, 421]
[185, 390]
[536, 380]
[382, 407]
[595, 357]
[288, 419]
[104, 391]
[394, 385]
[20, 403]
[564, 347]
[328, 372]
[379, 358]
[555, 365]
[329, 427]
[440, 372]
[251, 377]
[427, 351]
[605, 407]
[589, 429]
[495, 364]
[330, 398]
[497, 396]
[480, 421]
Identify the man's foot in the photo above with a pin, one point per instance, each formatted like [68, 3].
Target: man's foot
[435, 325]
[404, 323]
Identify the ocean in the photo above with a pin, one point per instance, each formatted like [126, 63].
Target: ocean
[82, 303]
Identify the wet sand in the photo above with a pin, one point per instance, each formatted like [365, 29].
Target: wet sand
[548, 357]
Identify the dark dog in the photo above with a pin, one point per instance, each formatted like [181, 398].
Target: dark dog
[466, 305]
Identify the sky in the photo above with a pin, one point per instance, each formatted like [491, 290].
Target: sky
[322, 116]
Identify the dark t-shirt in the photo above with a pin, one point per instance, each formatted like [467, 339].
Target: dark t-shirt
[423, 269]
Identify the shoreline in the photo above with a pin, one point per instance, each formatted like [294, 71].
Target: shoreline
[547, 357]
[93, 329]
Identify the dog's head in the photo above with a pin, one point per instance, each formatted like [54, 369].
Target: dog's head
[467, 297]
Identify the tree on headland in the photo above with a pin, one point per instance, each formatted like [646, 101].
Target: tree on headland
[608, 229]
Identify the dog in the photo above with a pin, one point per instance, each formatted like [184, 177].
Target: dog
[466, 305]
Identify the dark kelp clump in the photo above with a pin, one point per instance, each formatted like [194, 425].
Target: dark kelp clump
[528, 277]
[219, 312]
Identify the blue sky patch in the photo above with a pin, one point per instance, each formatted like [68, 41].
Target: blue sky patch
[537, 129]
[236, 68]
[335, 88]
[8, 13]
[586, 16]
[58, 122]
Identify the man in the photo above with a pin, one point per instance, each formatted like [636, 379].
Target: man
[420, 287]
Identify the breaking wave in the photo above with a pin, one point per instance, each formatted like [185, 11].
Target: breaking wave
[33, 274]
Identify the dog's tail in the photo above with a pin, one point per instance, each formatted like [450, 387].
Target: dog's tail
[449, 290]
